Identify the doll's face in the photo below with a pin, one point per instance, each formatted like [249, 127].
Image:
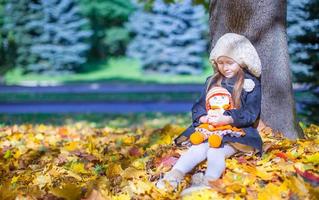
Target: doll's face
[227, 66]
[219, 100]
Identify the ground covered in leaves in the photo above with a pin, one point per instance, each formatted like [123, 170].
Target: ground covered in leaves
[80, 161]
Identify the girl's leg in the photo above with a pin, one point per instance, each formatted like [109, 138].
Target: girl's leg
[193, 156]
[216, 160]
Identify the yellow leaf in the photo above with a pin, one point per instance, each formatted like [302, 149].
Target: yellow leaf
[68, 191]
[131, 172]
[297, 186]
[122, 197]
[42, 128]
[91, 145]
[114, 170]
[258, 171]
[78, 168]
[14, 179]
[205, 194]
[42, 180]
[172, 130]
[166, 139]
[17, 154]
[264, 175]
[39, 136]
[139, 186]
[313, 158]
[273, 191]
[71, 146]
[128, 140]
[139, 163]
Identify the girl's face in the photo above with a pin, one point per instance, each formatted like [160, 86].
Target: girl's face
[227, 66]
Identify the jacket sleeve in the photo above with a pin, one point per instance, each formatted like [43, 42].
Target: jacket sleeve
[199, 107]
[249, 111]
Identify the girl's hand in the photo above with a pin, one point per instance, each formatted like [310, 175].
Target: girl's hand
[212, 119]
[214, 113]
[204, 119]
[221, 120]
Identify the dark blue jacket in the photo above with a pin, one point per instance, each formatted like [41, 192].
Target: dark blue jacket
[244, 117]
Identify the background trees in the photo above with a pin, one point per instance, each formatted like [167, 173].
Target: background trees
[49, 35]
[110, 37]
[170, 39]
[303, 41]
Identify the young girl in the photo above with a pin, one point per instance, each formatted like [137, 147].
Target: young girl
[237, 68]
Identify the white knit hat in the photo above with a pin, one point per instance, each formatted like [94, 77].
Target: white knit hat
[240, 49]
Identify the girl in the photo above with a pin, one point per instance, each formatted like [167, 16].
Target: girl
[237, 68]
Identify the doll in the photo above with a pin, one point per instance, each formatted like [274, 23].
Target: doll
[218, 99]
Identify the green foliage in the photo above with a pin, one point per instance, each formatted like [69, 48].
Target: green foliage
[107, 20]
[2, 4]
[15, 17]
[148, 4]
[2, 50]
[171, 39]
[98, 97]
[7, 46]
[116, 40]
[154, 119]
[306, 54]
[115, 70]
[48, 40]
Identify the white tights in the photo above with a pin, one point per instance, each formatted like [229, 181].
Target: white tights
[215, 159]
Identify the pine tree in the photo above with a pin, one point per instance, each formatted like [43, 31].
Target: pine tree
[303, 21]
[170, 38]
[16, 15]
[304, 40]
[50, 35]
[2, 43]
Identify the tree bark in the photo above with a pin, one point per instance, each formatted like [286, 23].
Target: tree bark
[264, 24]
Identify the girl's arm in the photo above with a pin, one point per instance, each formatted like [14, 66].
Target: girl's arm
[250, 110]
[199, 107]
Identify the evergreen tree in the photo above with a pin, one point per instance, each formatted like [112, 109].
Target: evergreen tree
[304, 40]
[110, 37]
[2, 42]
[303, 21]
[16, 15]
[3, 61]
[50, 35]
[170, 38]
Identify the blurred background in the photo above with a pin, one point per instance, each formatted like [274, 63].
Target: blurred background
[124, 62]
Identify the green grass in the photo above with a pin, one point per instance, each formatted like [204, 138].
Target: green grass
[155, 120]
[114, 70]
[96, 97]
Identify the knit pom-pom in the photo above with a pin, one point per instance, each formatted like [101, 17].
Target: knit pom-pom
[248, 85]
[215, 140]
[197, 137]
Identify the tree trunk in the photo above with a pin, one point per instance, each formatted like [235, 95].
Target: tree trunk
[264, 24]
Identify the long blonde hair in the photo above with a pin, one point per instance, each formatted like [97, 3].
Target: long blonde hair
[238, 87]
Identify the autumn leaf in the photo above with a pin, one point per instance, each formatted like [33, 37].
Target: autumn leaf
[167, 161]
[77, 161]
[78, 168]
[68, 191]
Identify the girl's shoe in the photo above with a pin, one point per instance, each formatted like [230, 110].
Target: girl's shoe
[173, 178]
[198, 182]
